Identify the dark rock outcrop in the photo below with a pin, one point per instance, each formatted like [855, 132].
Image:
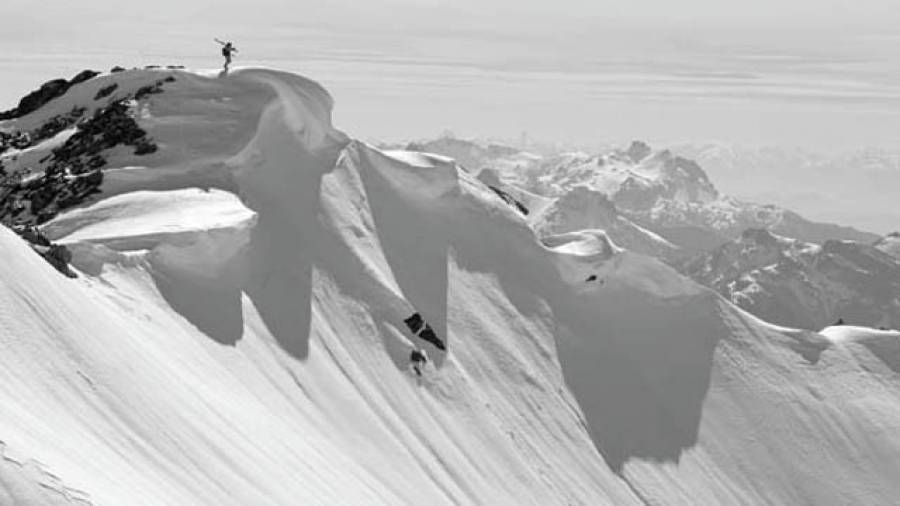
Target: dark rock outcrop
[638, 150]
[57, 124]
[83, 76]
[423, 330]
[106, 91]
[14, 140]
[509, 199]
[71, 172]
[414, 322]
[47, 92]
[59, 257]
[34, 100]
[428, 334]
[56, 255]
[150, 89]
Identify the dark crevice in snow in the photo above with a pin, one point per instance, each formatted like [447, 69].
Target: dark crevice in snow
[509, 199]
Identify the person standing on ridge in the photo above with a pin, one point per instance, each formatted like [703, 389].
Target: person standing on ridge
[418, 359]
[228, 49]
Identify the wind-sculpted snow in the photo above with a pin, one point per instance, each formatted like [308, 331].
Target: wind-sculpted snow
[881, 344]
[241, 332]
[583, 208]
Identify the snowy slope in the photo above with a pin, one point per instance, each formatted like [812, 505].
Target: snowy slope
[797, 284]
[253, 350]
[236, 336]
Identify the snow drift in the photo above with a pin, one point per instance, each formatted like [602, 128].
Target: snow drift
[236, 335]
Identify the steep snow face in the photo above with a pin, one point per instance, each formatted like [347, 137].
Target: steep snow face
[248, 346]
[799, 284]
[240, 333]
[890, 244]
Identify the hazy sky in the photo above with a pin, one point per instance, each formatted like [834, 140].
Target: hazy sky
[821, 74]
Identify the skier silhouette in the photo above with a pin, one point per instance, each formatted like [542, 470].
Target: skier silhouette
[418, 359]
[228, 49]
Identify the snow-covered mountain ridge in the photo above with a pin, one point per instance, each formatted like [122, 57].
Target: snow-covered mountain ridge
[237, 334]
[798, 284]
[667, 194]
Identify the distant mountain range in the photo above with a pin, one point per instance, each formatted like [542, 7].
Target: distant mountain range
[840, 187]
[800, 284]
[666, 194]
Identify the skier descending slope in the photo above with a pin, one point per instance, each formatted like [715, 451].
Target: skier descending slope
[227, 50]
[418, 359]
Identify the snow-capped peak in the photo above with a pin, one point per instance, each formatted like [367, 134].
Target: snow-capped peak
[636, 176]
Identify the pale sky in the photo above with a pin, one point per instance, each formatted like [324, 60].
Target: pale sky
[820, 74]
